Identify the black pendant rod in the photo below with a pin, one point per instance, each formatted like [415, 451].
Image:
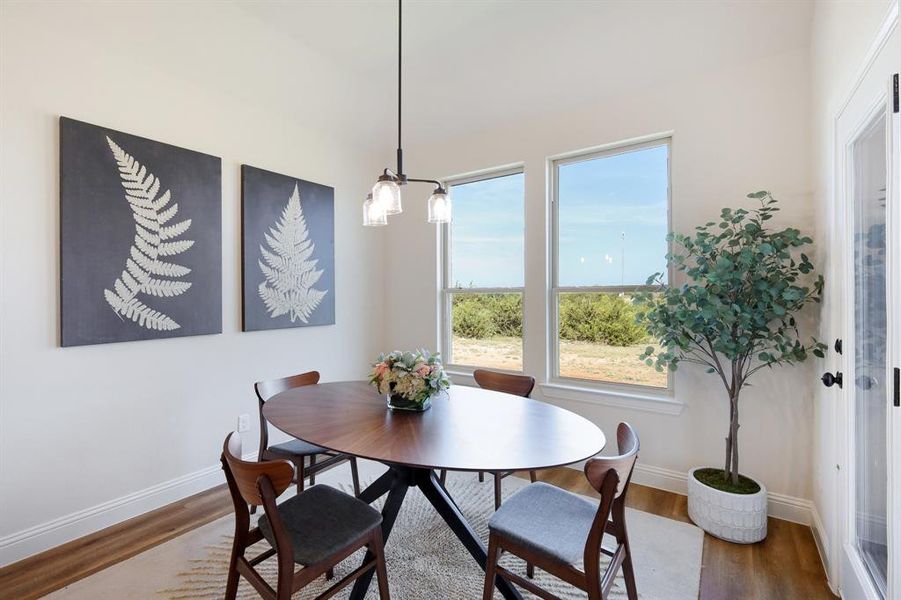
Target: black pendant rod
[400, 152]
[399, 176]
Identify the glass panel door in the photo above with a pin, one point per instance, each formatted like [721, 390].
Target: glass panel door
[869, 386]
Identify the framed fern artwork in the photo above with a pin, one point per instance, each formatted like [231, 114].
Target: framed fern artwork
[288, 251]
[140, 238]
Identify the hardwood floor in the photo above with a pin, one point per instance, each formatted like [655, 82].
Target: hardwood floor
[784, 566]
[56, 568]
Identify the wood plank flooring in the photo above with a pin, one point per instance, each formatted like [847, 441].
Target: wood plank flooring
[56, 568]
[784, 566]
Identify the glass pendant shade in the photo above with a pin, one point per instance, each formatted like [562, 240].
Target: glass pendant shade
[439, 207]
[386, 194]
[373, 215]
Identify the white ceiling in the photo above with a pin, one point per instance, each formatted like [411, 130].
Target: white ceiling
[470, 65]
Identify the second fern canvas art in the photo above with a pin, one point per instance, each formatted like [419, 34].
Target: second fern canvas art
[288, 251]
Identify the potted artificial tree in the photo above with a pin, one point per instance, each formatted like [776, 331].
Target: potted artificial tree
[735, 317]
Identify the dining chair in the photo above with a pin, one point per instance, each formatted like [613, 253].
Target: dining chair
[555, 529]
[316, 529]
[518, 385]
[296, 450]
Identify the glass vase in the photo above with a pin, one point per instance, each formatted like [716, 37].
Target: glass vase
[398, 402]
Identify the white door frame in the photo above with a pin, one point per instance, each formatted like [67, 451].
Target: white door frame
[855, 580]
[865, 101]
[893, 285]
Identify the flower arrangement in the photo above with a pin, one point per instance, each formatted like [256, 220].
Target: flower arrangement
[409, 379]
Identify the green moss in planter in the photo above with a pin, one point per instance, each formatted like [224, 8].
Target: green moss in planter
[716, 478]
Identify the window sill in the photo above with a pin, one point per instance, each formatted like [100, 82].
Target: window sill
[466, 372]
[660, 403]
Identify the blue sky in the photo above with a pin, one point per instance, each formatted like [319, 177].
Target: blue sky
[487, 238]
[610, 208]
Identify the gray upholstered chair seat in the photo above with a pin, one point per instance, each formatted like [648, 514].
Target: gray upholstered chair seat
[322, 521]
[296, 447]
[552, 522]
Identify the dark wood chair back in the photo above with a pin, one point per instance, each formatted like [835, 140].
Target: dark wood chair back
[610, 476]
[245, 477]
[597, 469]
[269, 388]
[518, 385]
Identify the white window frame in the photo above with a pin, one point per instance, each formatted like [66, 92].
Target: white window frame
[447, 291]
[554, 289]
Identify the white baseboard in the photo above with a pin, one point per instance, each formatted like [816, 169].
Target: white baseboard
[822, 541]
[779, 506]
[789, 508]
[27, 542]
[660, 478]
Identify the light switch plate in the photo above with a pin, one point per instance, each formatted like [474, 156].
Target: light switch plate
[243, 423]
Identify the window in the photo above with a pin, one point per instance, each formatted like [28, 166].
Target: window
[483, 272]
[611, 217]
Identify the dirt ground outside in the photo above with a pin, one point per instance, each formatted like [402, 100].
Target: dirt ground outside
[582, 360]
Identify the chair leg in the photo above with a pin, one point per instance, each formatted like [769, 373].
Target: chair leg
[442, 476]
[497, 491]
[312, 464]
[490, 567]
[285, 576]
[231, 587]
[355, 476]
[330, 574]
[622, 537]
[481, 476]
[299, 466]
[629, 575]
[381, 571]
[533, 476]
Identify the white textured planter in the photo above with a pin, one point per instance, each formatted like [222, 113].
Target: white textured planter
[733, 517]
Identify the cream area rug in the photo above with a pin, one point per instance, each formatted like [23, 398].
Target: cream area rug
[425, 560]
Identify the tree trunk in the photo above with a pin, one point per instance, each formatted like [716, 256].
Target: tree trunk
[730, 469]
[733, 433]
[728, 464]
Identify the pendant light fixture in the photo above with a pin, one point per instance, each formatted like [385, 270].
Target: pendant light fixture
[385, 198]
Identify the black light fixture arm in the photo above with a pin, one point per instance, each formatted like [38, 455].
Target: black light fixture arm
[401, 179]
[440, 188]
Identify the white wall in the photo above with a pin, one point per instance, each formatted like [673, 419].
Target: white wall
[737, 130]
[86, 437]
[842, 33]
[89, 435]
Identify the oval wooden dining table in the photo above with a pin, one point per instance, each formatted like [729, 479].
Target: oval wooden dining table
[467, 429]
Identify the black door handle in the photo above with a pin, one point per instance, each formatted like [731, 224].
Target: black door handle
[838, 345]
[829, 379]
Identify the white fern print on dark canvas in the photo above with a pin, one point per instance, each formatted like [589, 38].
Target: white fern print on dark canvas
[288, 267]
[148, 269]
